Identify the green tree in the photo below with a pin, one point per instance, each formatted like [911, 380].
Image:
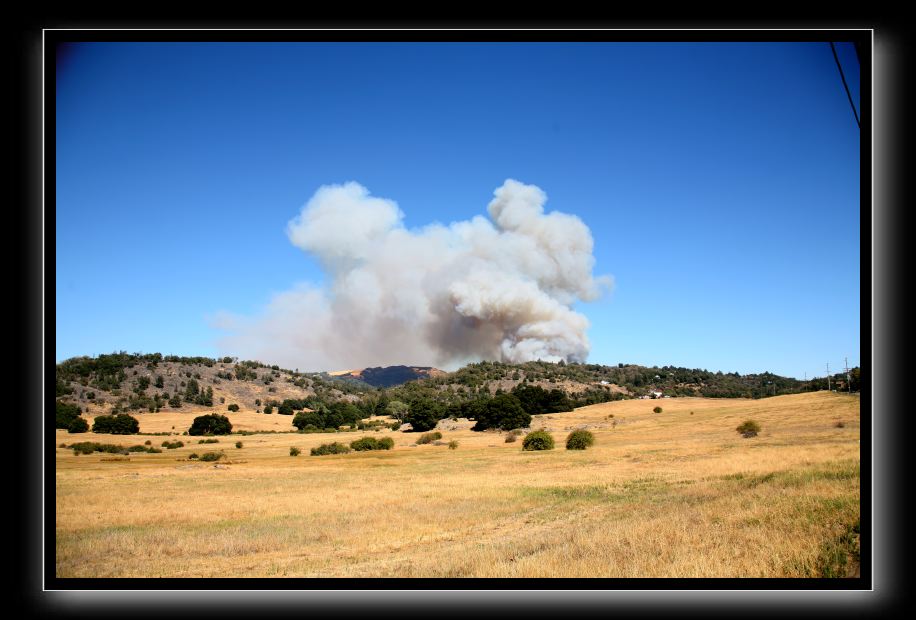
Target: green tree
[210, 424]
[423, 415]
[119, 424]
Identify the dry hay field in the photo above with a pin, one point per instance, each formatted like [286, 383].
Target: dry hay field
[673, 494]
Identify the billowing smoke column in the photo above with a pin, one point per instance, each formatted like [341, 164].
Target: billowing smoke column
[497, 289]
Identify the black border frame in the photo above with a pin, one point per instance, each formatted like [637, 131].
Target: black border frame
[31, 222]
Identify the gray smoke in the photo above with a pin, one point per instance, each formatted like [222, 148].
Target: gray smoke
[494, 289]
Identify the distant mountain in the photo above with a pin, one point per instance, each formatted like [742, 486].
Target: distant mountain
[387, 376]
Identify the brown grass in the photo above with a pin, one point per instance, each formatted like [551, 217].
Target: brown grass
[659, 495]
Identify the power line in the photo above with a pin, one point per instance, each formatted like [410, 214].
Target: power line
[843, 77]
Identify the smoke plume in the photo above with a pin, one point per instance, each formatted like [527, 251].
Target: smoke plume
[495, 289]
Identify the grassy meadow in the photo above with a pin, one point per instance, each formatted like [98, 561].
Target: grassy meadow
[673, 494]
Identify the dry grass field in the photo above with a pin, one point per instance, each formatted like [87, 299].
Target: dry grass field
[673, 494]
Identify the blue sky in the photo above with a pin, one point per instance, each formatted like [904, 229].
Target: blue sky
[720, 182]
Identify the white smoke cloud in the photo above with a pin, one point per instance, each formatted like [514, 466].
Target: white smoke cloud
[497, 289]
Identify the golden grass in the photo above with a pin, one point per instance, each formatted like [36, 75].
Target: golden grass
[672, 494]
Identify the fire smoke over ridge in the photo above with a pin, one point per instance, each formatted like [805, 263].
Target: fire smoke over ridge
[496, 289]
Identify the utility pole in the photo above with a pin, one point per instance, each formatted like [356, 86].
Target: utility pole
[828, 376]
[848, 382]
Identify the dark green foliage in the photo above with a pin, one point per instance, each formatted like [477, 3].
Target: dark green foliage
[453, 445]
[233, 407]
[294, 451]
[238, 444]
[330, 448]
[504, 411]
[211, 456]
[88, 447]
[371, 443]
[537, 440]
[535, 399]
[285, 409]
[579, 440]
[268, 409]
[78, 425]
[193, 456]
[429, 437]
[424, 415]
[657, 410]
[208, 441]
[211, 424]
[65, 414]
[120, 424]
[171, 445]
[748, 428]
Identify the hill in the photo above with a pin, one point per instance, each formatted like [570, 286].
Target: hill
[154, 383]
[388, 376]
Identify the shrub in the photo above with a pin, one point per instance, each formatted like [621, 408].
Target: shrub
[537, 440]
[148, 442]
[429, 437]
[213, 440]
[371, 443]
[211, 456]
[512, 435]
[238, 444]
[78, 425]
[330, 448]
[233, 407]
[452, 445]
[193, 456]
[211, 424]
[88, 447]
[171, 445]
[839, 424]
[294, 451]
[120, 424]
[268, 409]
[748, 428]
[579, 440]
[657, 410]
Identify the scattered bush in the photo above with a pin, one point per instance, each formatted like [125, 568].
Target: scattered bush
[238, 444]
[211, 456]
[579, 440]
[330, 448]
[120, 424]
[511, 436]
[148, 442]
[748, 428]
[657, 410]
[171, 445]
[294, 451]
[371, 443]
[452, 445]
[88, 447]
[233, 407]
[429, 437]
[839, 424]
[193, 456]
[211, 424]
[537, 440]
[212, 440]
